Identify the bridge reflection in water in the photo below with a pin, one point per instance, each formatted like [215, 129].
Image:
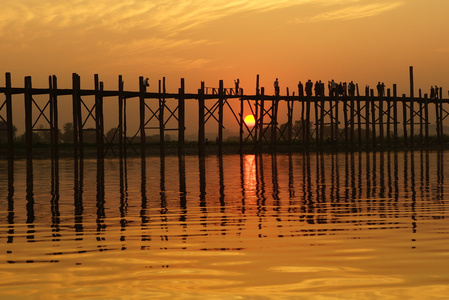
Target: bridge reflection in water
[71, 211]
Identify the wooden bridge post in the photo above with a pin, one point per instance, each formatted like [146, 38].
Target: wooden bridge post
[352, 121]
[162, 92]
[78, 123]
[389, 117]
[290, 118]
[99, 130]
[381, 120]
[28, 117]
[367, 112]
[359, 121]
[75, 104]
[10, 126]
[241, 127]
[256, 126]
[437, 119]
[261, 117]
[395, 114]
[412, 109]
[303, 116]
[142, 91]
[181, 118]
[317, 125]
[346, 128]
[120, 116]
[441, 114]
[307, 124]
[335, 119]
[54, 128]
[426, 114]
[421, 118]
[321, 123]
[404, 118]
[201, 130]
[273, 121]
[373, 116]
[220, 116]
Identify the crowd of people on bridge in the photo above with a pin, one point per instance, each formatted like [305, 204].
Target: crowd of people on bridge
[342, 89]
[318, 88]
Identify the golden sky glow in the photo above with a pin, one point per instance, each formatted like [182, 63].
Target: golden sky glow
[207, 40]
[364, 40]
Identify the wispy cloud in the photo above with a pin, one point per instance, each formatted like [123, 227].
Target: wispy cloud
[137, 27]
[440, 50]
[352, 12]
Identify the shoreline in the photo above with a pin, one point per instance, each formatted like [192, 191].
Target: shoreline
[189, 149]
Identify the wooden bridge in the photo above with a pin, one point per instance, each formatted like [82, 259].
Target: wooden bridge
[346, 122]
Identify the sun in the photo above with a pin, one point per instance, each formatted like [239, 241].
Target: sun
[250, 121]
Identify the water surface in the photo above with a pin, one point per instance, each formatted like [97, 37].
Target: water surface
[331, 226]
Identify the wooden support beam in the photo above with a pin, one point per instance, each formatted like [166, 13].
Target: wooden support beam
[373, 116]
[426, 114]
[161, 117]
[120, 116]
[241, 120]
[381, 120]
[441, 114]
[99, 123]
[395, 114]
[220, 116]
[273, 122]
[352, 103]
[257, 106]
[389, 117]
[28, 117]
[75, 103]
[412, 109]
[404, 119]
[181, 118]
[9, 117]
[367, 122]
[307, 123]
[359, 121]
[290, 104]
[261, 119]
[142, 91]
[54, 119]
[346, 128]
[201, 129]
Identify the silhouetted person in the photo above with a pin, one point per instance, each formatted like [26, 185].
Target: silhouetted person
[300, 89]
[380, 89]
[340, 89]
[317, 88]
[333, 88]
[432, 92]
[309, 86]
[146, 83]
[237, 83]
[276, 87]
[351, 89]
[436, 92]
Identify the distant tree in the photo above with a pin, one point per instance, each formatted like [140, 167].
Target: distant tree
[4, 132]
[67, 135]
[112, 135]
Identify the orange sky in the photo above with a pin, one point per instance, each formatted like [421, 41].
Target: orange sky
[362, 40]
